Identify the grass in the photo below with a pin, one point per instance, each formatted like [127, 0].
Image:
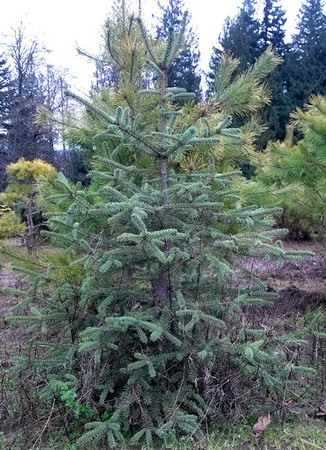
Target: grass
[286, 436]
[307, 435]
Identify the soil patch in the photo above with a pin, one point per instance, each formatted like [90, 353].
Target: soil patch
[300, 286]
[308, 275]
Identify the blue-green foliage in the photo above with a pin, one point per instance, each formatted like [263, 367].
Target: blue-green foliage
[144, 305]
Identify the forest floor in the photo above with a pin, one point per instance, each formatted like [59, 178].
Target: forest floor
[301, 287]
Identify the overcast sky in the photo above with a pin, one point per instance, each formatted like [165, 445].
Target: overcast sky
[61, 24]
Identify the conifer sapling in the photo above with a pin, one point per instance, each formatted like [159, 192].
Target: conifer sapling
[147, 293]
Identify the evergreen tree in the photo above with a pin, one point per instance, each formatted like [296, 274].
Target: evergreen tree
[5, 101]
[272, 30]
[107, 71]
[183, 72]
[306, 64]
[272, 33]
[301, 168]
[240, 38]
[119, 37]
[246, 38]
[26, 138]
[146, 295]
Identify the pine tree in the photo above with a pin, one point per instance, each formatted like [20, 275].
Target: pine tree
[241, 35]
[306, 63]
[115, 36]
[5, 101]
[300, 167]
[272, 33]
[247, 38]
[243, 96]
[145, 297]
[183, 72]
[26, 138]
[240, 38]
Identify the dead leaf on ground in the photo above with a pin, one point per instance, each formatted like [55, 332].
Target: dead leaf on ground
[288, 403]
[261, 425]
[321, 411]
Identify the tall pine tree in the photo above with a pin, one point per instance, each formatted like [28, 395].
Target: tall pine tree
[6, 96]
[306, 63]
[272, 33]
[240, 37]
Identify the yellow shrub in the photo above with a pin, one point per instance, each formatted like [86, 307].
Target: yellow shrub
[9, 224]
[29, 171]
[23, 177]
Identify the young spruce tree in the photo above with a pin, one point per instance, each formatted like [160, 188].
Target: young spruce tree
[140, 314]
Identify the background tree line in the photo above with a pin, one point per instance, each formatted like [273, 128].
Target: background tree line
[28, 82]
[303, 70]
